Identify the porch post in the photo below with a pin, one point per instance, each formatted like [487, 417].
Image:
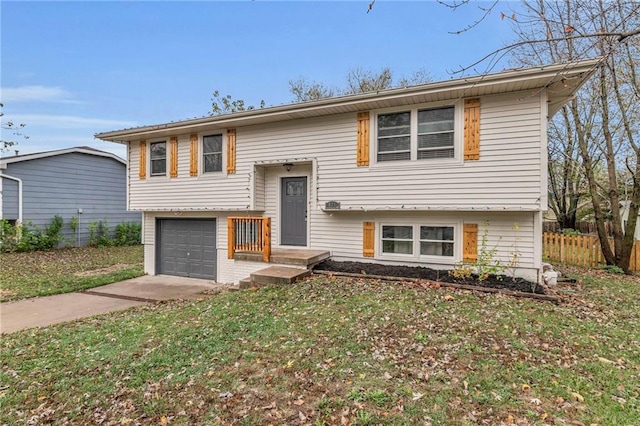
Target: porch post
[266, 239]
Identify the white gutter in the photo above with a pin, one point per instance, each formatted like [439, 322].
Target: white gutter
[19, 194]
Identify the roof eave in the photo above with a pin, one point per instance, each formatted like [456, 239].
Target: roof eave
[472, 85]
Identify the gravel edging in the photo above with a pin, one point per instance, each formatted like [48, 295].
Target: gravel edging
[521, 294]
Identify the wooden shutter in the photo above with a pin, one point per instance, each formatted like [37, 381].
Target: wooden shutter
[368, 239]
[231, 151]
[470, 242]
[363, 139]
[472, 129]
[142, 172]
[173, 148]
[193, 168]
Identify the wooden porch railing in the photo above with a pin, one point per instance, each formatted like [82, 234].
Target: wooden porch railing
[251, 234]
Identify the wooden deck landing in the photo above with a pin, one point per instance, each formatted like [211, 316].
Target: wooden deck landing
[297, 257]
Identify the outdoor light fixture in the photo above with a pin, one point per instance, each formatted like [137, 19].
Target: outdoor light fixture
[288, 166]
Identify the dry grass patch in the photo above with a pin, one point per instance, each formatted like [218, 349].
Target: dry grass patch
[42, 273]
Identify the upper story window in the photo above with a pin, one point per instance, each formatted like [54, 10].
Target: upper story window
[417, 134]
[212, 153]
[435, 133]
[159, 158]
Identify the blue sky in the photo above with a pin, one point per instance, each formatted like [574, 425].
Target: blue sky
[72, 69]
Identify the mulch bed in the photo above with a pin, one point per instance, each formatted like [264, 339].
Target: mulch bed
[500, 282]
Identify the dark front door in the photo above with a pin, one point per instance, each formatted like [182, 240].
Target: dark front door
[293, 211]
[187, 248]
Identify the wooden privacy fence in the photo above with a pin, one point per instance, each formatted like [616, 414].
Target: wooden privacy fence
[581, 250]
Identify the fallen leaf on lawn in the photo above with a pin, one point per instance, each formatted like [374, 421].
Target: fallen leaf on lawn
[535, 401]
[605, 360]
[449, 298]
[526, 387]
[417, 396]
[298, 402]
[577, 396]
[544, 416]
[163, 420]
[302, 416]
[387, 376]
[270, 406]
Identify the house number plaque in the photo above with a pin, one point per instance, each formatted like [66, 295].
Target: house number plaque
[332, 205]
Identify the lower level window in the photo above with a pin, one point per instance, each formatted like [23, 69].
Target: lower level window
[430, 241]
[397, 239]
[436, 240]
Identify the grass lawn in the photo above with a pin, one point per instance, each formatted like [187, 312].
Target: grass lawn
[338, 351]
[43, 273]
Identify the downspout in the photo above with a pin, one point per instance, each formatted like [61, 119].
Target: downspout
[19, 194]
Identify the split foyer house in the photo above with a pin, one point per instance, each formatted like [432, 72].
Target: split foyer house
[415, 176]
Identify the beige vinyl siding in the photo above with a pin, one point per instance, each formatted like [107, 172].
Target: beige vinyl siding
[506, 177]
[341, 233]
[259, 188]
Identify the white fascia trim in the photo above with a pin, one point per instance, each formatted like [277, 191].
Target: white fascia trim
[81, 150]
[2, 175]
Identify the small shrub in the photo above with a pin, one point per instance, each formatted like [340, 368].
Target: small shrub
[487, 264]
[9, 235]
[28, 237]
[53, 233]
[570, 231]
[128, 234]
[99, 235]
[104, 236]
[613, 269]
[462, 271]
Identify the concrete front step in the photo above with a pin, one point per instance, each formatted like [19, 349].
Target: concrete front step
[278, 275]
[245, 283]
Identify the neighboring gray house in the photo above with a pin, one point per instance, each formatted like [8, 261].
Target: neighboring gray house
[77, 182]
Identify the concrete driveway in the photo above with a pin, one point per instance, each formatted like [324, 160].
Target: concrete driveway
[44, 311]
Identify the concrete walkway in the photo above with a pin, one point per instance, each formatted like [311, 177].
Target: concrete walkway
[48, 310]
